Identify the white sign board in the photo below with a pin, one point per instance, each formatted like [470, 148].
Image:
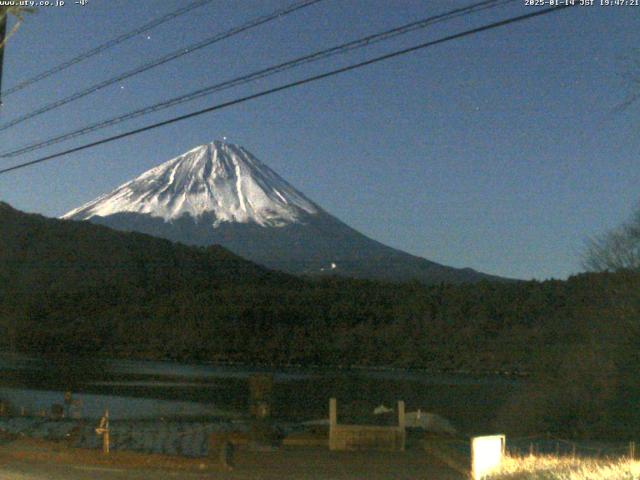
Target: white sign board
[486, 455]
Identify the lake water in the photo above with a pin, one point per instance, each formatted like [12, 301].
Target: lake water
[152, 389]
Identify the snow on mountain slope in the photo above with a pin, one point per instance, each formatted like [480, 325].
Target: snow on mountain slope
[220, 194]
[218, 179]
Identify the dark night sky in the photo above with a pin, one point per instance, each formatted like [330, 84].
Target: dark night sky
[502, 151]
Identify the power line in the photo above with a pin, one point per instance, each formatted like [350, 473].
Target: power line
[161, 61]
[105, 46]
[313, 57]
[287, 86]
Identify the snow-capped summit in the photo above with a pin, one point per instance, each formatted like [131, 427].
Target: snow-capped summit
[222, 180]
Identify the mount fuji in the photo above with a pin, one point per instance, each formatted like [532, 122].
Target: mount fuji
[220, 193]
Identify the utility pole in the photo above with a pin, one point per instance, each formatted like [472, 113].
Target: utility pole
[3, 33]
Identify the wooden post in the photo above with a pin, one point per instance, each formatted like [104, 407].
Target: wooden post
[333, 413]
[105, 443]
[105, 438]
[531, 449]
[573, 451]
[260, 395]
[333, 422]
[557, 449]
[401, 424]
[632, 450]
[105, 435]
[260, 401]
[103, 429]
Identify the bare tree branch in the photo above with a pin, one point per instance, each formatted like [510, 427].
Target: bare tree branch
[616, 250]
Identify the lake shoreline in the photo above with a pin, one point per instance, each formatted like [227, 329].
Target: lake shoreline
[507, 374]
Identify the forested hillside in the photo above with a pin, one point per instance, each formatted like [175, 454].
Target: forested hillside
[75, 287]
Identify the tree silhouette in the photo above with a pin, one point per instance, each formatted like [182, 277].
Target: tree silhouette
[616, 250]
